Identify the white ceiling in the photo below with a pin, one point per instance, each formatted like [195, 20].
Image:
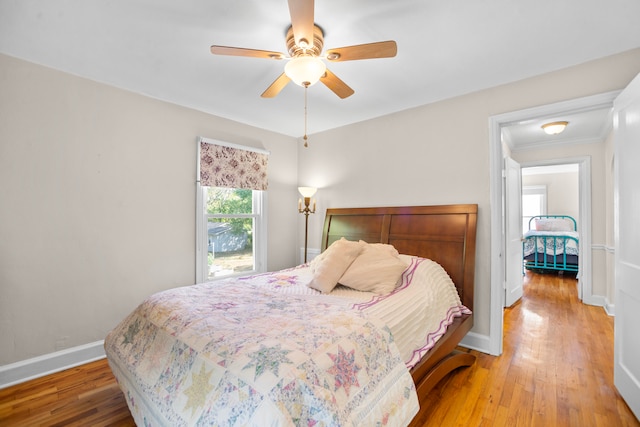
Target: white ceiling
[551, 169]
[583, 127]
[160, 48]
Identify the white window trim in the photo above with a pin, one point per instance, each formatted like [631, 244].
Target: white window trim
[536, 189]
[540, 190]
[259, 241]
[228, 144]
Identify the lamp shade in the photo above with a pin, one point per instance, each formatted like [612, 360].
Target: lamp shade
[305, 70]
[554, 128]
[307, 191]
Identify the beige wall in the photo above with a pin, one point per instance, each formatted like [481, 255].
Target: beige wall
[563, 192]
[439, 153]
[97, 204]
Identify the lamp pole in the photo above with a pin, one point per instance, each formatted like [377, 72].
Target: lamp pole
[306, 211]
[306, 226]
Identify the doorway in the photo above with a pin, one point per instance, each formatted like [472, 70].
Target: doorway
[514, 229]
[567, 189]
[499, 149]
[550, 190]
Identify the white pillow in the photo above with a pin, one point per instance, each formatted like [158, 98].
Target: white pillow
[554, 224]
[333, 262]
[543, 225]
[562, 225]
[377, 269]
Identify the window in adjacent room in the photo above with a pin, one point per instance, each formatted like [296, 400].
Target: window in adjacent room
[231, 220]
[534, 202]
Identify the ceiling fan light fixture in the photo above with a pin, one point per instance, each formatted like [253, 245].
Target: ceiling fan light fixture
[305, 70]
[554, 128]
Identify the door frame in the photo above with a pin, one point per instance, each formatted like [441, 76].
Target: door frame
[496, 156]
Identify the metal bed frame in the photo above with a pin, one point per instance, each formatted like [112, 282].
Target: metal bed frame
[543, 261]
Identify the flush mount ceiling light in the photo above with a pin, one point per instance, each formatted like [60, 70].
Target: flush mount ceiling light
[554, 128]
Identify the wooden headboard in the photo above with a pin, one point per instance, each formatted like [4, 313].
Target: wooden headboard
[446, 234]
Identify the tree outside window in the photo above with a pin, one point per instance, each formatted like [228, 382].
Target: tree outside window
[231, 215]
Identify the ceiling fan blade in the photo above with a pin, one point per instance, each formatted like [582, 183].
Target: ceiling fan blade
[338, 87]
[301, 12]
[276, 86]
[387, 49]
[239, 51]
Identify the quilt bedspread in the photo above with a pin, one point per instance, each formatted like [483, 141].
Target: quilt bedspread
[204, 355]
[551, 242]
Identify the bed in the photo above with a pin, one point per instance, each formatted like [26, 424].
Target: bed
[551, 244]
[270, 350]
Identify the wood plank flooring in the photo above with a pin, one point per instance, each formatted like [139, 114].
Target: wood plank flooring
[84, 396]
[556, 370]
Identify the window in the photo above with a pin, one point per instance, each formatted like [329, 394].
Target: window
[534, 202]
[231, 236]
[233, 224]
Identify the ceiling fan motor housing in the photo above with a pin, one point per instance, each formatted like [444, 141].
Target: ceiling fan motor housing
[296, 50]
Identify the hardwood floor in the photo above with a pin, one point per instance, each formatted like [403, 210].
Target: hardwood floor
[84, 396]
[556, 370]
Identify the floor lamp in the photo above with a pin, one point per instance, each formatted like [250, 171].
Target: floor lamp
[307, 193]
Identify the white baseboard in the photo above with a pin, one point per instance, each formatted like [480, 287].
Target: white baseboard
[477, 342]
[609, 308]
[597, 300]
[19, 372]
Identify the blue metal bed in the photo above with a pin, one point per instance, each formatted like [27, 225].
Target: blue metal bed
[555, 247]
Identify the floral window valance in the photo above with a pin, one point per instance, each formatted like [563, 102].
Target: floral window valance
[223, 165]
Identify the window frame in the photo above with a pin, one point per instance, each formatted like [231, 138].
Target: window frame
[534, 190]
[259, 234]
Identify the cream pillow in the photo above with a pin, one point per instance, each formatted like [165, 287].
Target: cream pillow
[315, 262]
[383, 247]
[333, 262]
[377, 269]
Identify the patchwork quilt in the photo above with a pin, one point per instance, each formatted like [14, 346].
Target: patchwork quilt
[241, 353]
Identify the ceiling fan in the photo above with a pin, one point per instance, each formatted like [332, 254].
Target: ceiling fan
[305, 41]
